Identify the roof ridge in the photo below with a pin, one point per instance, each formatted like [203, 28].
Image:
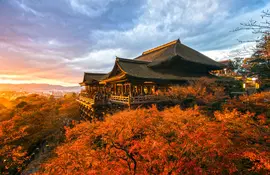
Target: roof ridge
[214, 62]
[161, 47]
[95, 73]
[132, 60]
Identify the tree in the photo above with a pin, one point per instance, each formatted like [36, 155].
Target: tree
[12, 154]
[204, 92]
[259, 63]
[173, 141]
[260, 60]
[34, 121]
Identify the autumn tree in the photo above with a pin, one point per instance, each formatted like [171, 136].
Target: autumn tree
[259, 63]
[12, 154]
[258, 103]
[173, 141]
[35, 120]
[205, 92]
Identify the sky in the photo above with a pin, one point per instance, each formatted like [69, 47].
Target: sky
[55, 41]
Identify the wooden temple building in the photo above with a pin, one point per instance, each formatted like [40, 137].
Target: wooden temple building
[139, 80]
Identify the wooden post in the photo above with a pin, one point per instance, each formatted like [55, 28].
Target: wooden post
[122, 89]
[141, 89]
[130, 90]
[129, 102]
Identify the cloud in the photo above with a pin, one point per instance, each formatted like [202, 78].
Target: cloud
[91, 8]
[243, 50]
[97, 60]
[59, 40]
[26, 8]
[205, 30]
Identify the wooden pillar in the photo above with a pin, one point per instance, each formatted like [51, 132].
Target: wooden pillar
[141, 89]
[122, 89]
[130, 90]
[129, 101]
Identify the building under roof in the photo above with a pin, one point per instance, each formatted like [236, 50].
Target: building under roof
[167, 63]
[155, 69]
[92, 78]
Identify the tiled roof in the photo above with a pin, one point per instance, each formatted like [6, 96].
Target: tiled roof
[171, 61]
[140, 69]
[175, 48]
[90, 78]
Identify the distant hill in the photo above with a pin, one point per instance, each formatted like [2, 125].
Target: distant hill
[38, 88]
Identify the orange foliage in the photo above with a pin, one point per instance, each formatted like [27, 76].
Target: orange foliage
[204, 91]
[11, 152]
[173, 141]
[258, 103]
[34, 120]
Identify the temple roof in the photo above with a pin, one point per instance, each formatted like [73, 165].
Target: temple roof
[173, 61]
[175, 48]
[90, 78]
[140, 69]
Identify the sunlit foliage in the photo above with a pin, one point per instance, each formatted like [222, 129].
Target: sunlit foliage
[258, 103]
[33, 119]
[173, 141]
[203, 92]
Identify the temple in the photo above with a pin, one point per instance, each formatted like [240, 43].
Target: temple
[140, 80]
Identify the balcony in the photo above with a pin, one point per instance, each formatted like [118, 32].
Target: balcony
[85, 101]
[119, 99]
[142, 99]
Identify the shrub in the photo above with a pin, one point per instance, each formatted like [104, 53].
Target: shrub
[173, 141]
[258, 103]
[203, 92]
[35, 119]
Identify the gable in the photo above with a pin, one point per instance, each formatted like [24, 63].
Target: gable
[115, 71]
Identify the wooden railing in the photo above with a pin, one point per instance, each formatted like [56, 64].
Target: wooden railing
[124, 99]
[145, 99]
[120, 99]
[137, 100]
[86, 100]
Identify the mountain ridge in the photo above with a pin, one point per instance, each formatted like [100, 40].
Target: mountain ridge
[34, 87]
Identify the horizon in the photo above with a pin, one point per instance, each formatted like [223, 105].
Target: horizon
[56, 42]
[42, 83]
[18, 83]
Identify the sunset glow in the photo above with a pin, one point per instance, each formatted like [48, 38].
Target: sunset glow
[18, 79]
[36, 81]
[56, 41]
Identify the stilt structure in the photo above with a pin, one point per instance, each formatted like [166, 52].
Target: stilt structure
[142, 79]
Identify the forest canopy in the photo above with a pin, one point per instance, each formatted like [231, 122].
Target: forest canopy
[173, 141]
[29, 123]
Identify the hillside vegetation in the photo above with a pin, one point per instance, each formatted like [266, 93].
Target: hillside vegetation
[173, 141]
[32, 121]
[208, 133]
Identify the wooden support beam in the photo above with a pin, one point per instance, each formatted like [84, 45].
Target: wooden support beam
[130, 90]
[122, 90]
